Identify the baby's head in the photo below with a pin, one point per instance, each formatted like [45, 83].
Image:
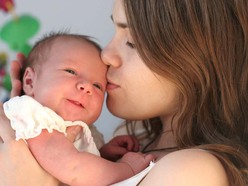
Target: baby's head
[41, 50]
[65, 73]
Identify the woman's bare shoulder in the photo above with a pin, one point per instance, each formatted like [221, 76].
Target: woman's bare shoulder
[189, 167]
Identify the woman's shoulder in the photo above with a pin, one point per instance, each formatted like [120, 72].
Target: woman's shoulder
[187, 167]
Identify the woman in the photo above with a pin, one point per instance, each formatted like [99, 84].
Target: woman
[182, 66]
[193, 45]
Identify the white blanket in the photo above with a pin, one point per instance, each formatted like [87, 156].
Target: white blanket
[28, 118]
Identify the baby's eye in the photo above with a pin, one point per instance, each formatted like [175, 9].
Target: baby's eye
[71, 71]
[98, 86]
[129, 44]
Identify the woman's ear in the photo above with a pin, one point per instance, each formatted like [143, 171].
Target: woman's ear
[28, 81]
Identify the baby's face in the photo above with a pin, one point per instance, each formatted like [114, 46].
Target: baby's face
[72, 81]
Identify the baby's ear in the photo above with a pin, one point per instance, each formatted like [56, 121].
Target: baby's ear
[28, 80]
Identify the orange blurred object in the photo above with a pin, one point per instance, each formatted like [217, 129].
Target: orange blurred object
[6, 5]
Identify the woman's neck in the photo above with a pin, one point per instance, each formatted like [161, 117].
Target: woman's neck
[165, 142]
[162, 145]
[167, 138]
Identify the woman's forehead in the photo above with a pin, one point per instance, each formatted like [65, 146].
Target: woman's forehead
[118, 15]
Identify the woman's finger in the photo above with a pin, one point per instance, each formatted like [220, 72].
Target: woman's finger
[20, 58]
[15, 70]
[15, 75]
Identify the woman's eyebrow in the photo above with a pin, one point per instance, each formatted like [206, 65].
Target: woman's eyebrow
[119, 24]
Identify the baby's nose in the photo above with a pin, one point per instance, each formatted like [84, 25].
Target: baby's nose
[85, 87]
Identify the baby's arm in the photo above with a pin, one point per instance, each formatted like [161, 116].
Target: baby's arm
[60, 158]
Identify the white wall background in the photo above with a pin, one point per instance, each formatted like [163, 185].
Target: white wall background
[89, 17]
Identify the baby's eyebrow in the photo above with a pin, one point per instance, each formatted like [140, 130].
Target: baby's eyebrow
[119, 24]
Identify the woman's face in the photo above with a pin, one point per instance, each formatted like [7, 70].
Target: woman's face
[134, 91]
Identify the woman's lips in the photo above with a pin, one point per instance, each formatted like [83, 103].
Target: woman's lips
[112, 86]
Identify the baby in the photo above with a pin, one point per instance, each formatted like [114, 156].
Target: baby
[64, 83]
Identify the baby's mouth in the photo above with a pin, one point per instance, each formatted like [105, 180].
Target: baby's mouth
[76, 103]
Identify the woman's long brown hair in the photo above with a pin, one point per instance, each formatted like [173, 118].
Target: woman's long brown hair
[202, 47]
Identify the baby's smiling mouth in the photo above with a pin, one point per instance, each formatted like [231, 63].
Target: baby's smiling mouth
[76, 103]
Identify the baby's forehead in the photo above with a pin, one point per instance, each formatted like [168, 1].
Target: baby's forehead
[66, 39]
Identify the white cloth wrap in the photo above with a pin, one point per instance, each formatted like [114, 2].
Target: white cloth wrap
[28, 118]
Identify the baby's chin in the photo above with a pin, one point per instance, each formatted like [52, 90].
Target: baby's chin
[74, 119]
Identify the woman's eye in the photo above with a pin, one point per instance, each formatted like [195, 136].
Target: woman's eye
[70, 71]
[131, 45]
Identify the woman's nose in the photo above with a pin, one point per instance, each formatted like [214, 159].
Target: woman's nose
[85, 87]
[110, 55]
